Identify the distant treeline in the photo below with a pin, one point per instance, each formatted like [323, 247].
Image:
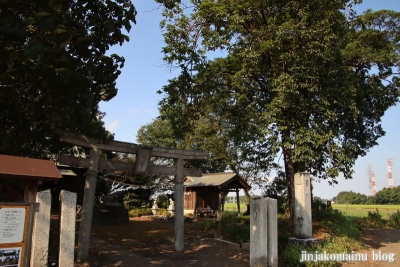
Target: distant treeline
[385, 196]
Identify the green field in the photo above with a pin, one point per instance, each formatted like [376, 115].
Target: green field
[233, 207]
[359, 211]
[362, 210]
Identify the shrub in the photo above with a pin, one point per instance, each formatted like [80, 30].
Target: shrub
[234, 228]
[375, 219]
[208, 225]
[140, 212]
[332, 245]
[162, 201]
[163, 212]
[394, 220]
[291, 255]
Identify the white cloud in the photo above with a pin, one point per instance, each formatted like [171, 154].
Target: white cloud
[134, 112]
[148, 111]
[112, 125]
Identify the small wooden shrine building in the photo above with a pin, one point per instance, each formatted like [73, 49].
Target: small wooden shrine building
[207, 191]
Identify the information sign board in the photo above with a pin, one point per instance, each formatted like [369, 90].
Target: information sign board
[15, 233]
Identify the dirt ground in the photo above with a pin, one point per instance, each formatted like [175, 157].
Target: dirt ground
[155, 238]
[380, 244]
[152, 241]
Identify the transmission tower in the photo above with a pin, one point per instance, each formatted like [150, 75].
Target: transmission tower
[371, 180]
[390, 173]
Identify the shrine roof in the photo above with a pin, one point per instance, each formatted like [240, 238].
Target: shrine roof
[221, 180]
[28, 168]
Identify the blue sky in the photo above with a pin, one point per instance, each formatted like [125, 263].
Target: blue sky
[136, 103]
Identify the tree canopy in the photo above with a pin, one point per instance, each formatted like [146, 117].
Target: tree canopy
[305, 80]
[384, 196]
[55, 69]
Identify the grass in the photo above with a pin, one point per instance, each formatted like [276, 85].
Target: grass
[233, 207]
[361, 211]
[339, 234]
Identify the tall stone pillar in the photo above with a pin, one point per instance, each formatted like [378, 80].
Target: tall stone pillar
[41, 230]
[303, 217]
[67, 228]
[272, 232]
[258, 232]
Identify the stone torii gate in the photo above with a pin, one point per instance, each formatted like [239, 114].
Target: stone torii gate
[142, 166]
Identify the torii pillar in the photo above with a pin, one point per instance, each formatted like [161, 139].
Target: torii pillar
[179, 199]
[144, 154]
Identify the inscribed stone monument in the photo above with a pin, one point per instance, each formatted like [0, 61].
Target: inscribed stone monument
[303, 218]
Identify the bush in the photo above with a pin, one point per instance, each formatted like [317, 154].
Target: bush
[163, 212]
[374, 219]
[291, 255]
[208, 225]
[332, 245]
[341, 236]
[140, 212]
[162, 201]
[394, 220]
[234, 228]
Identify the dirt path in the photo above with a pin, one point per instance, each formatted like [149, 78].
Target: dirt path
[150, 243]
[382, 246]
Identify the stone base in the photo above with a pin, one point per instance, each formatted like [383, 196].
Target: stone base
[305, 242]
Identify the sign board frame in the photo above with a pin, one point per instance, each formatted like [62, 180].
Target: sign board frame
[19, 233]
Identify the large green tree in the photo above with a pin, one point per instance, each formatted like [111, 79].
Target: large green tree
[305, 80]
[54, 69]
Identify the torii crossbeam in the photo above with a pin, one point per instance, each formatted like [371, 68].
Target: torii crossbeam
[143, 156]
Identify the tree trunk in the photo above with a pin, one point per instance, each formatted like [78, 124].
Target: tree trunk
[289, 172]
[247, 197]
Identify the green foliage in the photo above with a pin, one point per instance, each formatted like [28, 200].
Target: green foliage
[54, 71]
[292, 254]
[332, 245]
[374, 219]
[334, 222]
[137, 198]
[277, 189]
[140, 212]
[163, 212]
[208, 225]
[385, 196]
[162, 201]
[235, 228]
[341, 236]
[394, 220]
[388, 196]
[295, 78]
[351, 198]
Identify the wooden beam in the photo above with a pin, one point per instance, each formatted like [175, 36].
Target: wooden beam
[83, 141]
[126, 166]
[131, 148]
[74, 161]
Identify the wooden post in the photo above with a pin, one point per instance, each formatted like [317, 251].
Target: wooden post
[238, 201]
[30, 190]
[87, 206]
[219, 213]
[195, 204]
[179, 218]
